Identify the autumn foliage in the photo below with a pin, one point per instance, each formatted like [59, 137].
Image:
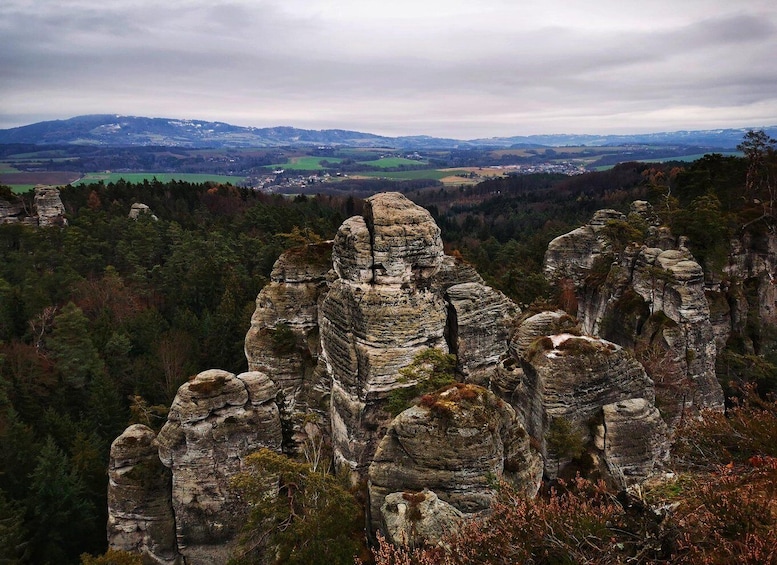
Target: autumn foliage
[719, 507]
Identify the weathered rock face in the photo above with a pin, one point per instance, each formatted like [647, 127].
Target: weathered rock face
[572, 380]
[481, 318]
[573, 255]
[47, 209]
[633, 438]
[368, 334]
[415, 519]
[337, 324]
[11, 212]
[48, 206]
[377, 315]
[283, 340]
[454, 443]
[140, 511]
[216, 419]
[644, 297]
[406, 244]
[752, 264]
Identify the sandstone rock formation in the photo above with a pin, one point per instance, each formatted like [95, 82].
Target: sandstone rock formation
[283, 340]
[642, 296]
[330, 336]
[47, 209]
[481, 318]
[415, 519]
[575, 380]
[48, 206]
[455, 443]
[377, 315]
[138, 209]
[216, 419]
[11, 212]
[633, 438]
[140, 511]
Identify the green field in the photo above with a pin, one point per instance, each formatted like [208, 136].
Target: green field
[305, 163]
[22, 188]
[161, 177]
[393, 162]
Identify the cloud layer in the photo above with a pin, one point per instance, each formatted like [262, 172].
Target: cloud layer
[450, 68]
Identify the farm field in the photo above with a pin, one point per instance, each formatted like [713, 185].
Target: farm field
[305, 163]
[393, 162]
[22, 182]
[161, 177]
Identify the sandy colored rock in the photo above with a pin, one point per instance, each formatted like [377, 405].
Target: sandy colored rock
[455, 443]
[481, 317]
[635, 440]
[140, 511]
[48, 206]
[406, 242]
[216, 419]
[417, 519]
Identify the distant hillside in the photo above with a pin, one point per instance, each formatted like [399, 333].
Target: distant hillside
[112, 130]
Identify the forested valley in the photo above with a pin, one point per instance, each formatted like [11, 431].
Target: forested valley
[102, 320]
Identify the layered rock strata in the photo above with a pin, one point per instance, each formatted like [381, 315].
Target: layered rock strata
[571, 380]
[47, 209]
[48, 206]
[330, 336]
[283, 340]
[140, 511]
[216, 419]
[642, 296]
[377, 316]
[455, 443]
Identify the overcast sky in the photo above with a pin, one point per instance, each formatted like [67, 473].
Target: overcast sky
[456, 68]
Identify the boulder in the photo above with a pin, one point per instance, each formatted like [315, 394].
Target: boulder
[416, 519]
[633, 438]
[139, 209]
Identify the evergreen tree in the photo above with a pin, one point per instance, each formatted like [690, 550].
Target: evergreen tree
[77, 357]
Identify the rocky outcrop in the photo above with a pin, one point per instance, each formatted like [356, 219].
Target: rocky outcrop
[47, 209]
[11, 212]
[139, 209]
[480, 326]
[140, 511]
[283, 340]
[330, 337]
[48, 206]
[455, 443]
[633, 438]
[641, 296]
[569, 381]
[377, 315]
[216, 419]
[415, 519]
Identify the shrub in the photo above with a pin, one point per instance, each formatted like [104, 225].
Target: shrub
[430, 370]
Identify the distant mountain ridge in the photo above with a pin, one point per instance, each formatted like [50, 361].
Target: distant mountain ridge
[121, 131]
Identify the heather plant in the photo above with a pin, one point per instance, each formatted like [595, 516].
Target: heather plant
[576, 522]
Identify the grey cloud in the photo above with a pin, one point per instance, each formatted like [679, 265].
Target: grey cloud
[277, 59]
